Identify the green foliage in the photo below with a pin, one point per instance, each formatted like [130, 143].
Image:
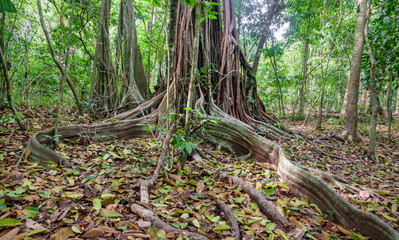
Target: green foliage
[7, 6]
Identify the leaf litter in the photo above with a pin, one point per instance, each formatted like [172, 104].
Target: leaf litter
[92, 199]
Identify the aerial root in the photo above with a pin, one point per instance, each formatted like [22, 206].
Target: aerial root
[231, 219]
[264, 204]
[157, 223]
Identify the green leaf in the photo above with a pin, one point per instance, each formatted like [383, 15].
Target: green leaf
[356, 236]
[44, 195]
[270, 191]
[211, 16]
[196, 223]
[7, 6]
[97, 205]
[36, 232]
[111, 214]
[389, 218]
[222, 227]
[75, 229]
[107, 195]
[271, 226]
[8, 222]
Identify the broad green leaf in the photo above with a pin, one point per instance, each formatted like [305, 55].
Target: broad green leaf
[107, 195]
[97, 205]
[196, 223]
[356, 236]
[8, 222]
[271, 226]
[222, 227]
[75, 229]
[270, 191]
[111, 214]
[7, 6]
[36, 232]
[389, 218]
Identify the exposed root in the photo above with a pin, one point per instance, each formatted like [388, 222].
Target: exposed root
[347, 137]
[267, 208]
[157, 223]
[242, 139]
[231, 219]
[146, 184]
[111, 130]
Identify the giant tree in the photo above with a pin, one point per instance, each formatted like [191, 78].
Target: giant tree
[218, 79]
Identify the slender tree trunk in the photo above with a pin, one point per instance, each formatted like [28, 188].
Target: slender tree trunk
[302, 88]
[389, 103]
[62, 77]
[374, 100]
[8, 86]
[270, 14]
[397, 103]
[3, 84]
[353, 84]
[57, 63]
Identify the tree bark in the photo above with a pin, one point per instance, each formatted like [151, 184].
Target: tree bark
[8, 90]
[302, 88]
[57, 63]
[104, 87]
[351, 131]
[271, 11]
[63, 76]
[134, 84]
[389, 104]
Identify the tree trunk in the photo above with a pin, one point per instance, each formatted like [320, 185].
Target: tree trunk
[302, 88]
[134, 85]
[373, 96]
[351, 131]
[8, 90]
[104, 88]
[271, 11]
[62, 77]
[389, 103]
[397, 103]
[57, 63]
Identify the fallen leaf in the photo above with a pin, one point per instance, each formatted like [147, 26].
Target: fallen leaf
[11, 234]
[93, 233]
[364, 195]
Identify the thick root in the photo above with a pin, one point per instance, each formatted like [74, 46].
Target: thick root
[125, 129]
[267, 208]
[243, 140]
[231, 219]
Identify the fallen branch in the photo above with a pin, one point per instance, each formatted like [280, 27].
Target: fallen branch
[157, 223]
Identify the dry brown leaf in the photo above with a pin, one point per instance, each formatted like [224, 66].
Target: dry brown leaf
[62, 234]
[11, 234]
[364, 195]
[33, 225]
[200, 187]
[93, 233]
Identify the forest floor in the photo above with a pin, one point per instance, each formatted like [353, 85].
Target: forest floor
[92, 199]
